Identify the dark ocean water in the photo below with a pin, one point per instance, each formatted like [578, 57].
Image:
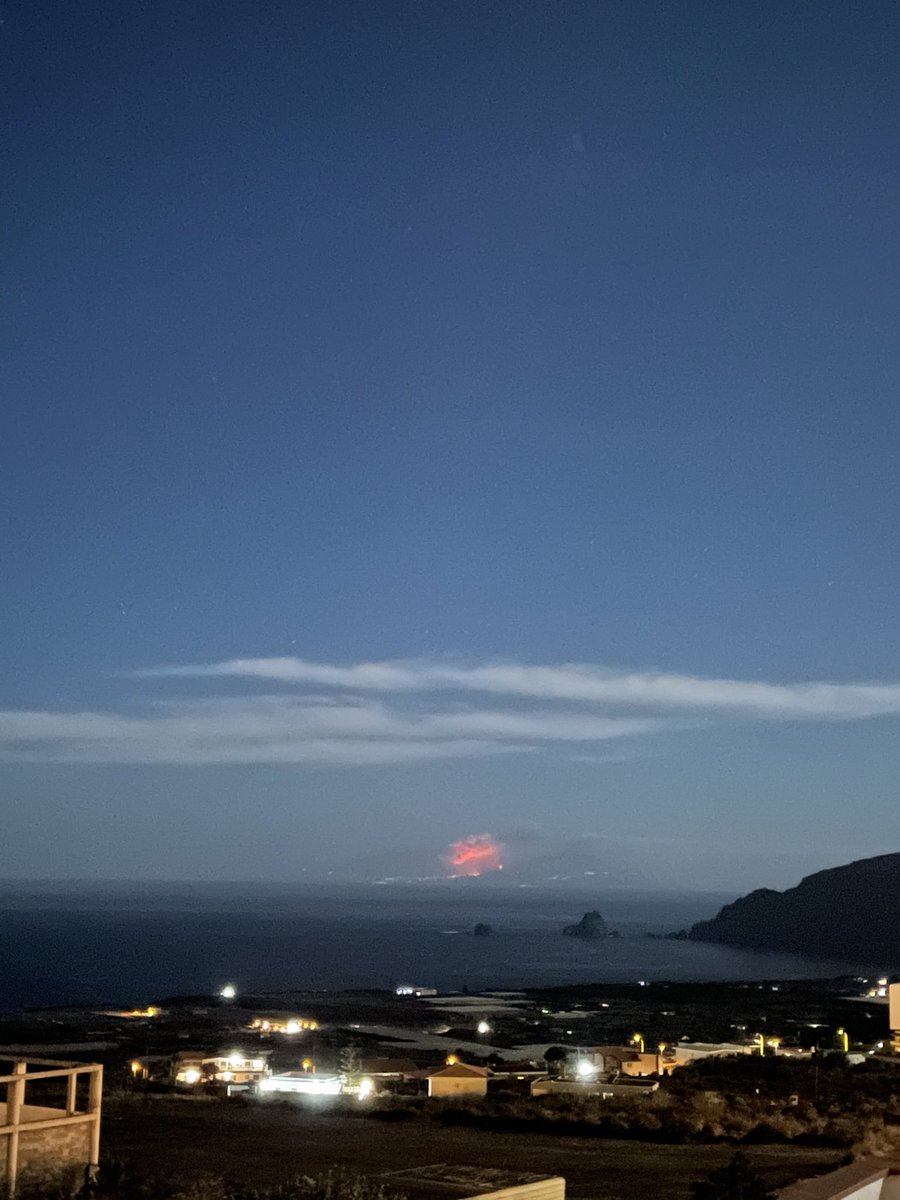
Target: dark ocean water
[104, 944]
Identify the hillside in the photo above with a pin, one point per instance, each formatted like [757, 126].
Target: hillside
[850, 913]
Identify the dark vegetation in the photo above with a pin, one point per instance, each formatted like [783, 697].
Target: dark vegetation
[743, 1100]
[736, 1181]
[260, 1145]
[115, 1180]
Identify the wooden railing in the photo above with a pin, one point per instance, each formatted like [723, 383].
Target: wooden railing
[17, 1085]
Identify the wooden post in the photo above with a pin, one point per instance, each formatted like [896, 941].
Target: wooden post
[95, 1100]
[72, 1094]
[15, 1098]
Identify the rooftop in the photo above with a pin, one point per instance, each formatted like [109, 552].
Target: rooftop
[443, 1179]
[846, 1183]
[386, 1066]
[461, 1071]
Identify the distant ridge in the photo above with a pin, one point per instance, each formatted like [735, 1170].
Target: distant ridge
[851, 913]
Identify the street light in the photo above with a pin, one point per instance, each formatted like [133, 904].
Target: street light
[483, 1027]
[637, 1039]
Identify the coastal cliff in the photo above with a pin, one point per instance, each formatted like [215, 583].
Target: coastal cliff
[850, 912]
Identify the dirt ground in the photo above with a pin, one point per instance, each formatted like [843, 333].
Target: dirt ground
[266, 1144]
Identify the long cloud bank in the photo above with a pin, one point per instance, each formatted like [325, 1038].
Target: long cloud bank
[283, 729]
[574, 682]
[416, 711]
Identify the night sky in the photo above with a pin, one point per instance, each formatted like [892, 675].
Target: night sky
[424, 420]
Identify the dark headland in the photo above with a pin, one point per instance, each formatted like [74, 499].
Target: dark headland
[850, 912]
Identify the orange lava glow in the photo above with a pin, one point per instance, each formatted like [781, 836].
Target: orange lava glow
[475, 854]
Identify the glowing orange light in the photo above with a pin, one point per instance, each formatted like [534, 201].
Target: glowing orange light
[474, 854]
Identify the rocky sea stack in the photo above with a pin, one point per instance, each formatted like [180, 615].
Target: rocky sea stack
[590, 926]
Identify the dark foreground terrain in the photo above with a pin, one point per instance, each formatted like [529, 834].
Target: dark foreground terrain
[262, 1145]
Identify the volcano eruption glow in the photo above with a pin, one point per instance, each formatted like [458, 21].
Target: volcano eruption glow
[475, 854]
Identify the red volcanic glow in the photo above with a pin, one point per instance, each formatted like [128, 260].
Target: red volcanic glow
[474, 854]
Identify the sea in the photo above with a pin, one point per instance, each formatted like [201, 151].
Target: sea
[118, 944]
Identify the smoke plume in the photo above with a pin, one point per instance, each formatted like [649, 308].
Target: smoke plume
[475, 854]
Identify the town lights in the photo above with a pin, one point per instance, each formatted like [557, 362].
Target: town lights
[228, 992]
[292, 1027]
[366, 1088]
[136, 1068]
[637, 1039]
[483, 1027]
[191, 1075]
[585, 1068]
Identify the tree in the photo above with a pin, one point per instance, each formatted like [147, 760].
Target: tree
[556, 1057]
[349, 1059]
[737, 1181]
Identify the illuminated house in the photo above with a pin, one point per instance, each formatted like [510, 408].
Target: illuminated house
[282, 1024]
[634, 1061]
[135, 1014]
[231, 1067]
[894, 1014]
[458, 1079]
[302, 1083]
[42, 1138]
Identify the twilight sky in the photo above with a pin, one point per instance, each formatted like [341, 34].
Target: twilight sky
[424, 420]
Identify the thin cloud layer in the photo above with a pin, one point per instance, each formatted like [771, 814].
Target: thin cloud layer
[414, 711]
[573, 682]
[283, 729]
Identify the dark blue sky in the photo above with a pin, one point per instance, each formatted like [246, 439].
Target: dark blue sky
[530, 332]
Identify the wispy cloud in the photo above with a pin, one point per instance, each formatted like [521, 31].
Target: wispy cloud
[419, 710]
[284, 729]
[572, 682]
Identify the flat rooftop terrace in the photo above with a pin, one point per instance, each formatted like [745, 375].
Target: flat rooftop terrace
[457, 1180]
